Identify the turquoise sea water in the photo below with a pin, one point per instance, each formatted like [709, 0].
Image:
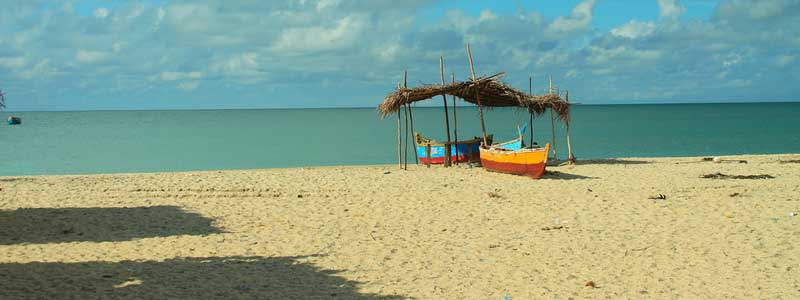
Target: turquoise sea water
[148, 141]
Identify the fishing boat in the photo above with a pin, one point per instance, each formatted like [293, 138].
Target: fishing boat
[512, 158]
[14, 120]
[460, 152]
[514, 144]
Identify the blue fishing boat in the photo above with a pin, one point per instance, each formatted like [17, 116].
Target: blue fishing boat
[14, 120]
[459, 152]
[514, 144]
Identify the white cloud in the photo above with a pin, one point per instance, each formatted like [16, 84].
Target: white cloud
[327, 4]
[150, 51]
[12, 62]
[172, 76]
[85, 56]
[344, 33]
[245, 66]
[670, 9]
[785, 60]
[756, 9]
[580, 19]
[634, 29]
[486, 15]
[100, 13]
[42, 70]
[189, 85]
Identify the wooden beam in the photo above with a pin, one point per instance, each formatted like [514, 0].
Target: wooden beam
[570, 157]
[478, 96]
[405, 142]
[553, 124]
[446, 116]
[428, 154]
[530, 91]
[411, 119]
[455, 118]
[399, 142]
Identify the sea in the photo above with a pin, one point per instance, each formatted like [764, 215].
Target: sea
[90, 142]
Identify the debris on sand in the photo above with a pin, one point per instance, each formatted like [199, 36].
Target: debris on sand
[552, 228]
[718, 175]
[717, 159]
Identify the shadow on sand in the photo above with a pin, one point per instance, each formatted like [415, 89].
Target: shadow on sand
[563, 176]
[611, 161]
[15, 179]
[183, 278]
[60, 225]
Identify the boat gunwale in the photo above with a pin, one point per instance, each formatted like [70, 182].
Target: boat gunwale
[419, 140]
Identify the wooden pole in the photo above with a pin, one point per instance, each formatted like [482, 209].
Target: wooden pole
[411, 119]
[405, 142]
[446, 116]
[530, 91]
[455, 118]
[428, 154]
[553, 124]
[570, 158]
[399, 142]
[477, 96]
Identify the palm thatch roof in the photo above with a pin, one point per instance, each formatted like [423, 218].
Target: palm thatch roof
[493, 93]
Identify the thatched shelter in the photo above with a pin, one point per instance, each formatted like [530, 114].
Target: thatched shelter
[488, 90]
[485, 91]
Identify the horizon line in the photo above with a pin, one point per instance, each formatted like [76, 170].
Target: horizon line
[375, 107]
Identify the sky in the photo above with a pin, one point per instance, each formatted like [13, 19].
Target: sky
[202, 54]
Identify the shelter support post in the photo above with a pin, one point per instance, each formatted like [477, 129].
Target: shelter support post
[428, 155]
[399, 142]
[447, 154]
[405, 142]
[570, 157]
[530, 91]
[455, 118]
[477, 95]
[553, 124]
[410, 118]
[408, 107]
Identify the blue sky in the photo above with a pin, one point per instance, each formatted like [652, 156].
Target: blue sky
[105, 54]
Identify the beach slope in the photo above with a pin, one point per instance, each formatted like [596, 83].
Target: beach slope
[636, 228]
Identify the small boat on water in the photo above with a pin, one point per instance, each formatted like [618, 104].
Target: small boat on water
[460, 152]
[510, 157]
[14, 120]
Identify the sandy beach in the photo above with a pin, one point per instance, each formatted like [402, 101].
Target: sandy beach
[378, 232]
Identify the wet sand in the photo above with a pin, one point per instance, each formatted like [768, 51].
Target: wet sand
[377, 232]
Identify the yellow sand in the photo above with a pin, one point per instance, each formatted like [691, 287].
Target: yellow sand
[381, 233]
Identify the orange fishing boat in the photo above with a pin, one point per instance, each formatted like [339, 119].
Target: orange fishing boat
[527, 161]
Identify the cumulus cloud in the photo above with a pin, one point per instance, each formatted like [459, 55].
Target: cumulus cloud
[172, 76]
[634, 29]
[343, 33]
[757, 9]
[670, 9]
[12, 62]
[271, 49]
[100, 13]
[580, 18]
[88, 56]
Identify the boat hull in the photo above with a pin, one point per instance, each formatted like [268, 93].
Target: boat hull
[463, 151]
[525, 162]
